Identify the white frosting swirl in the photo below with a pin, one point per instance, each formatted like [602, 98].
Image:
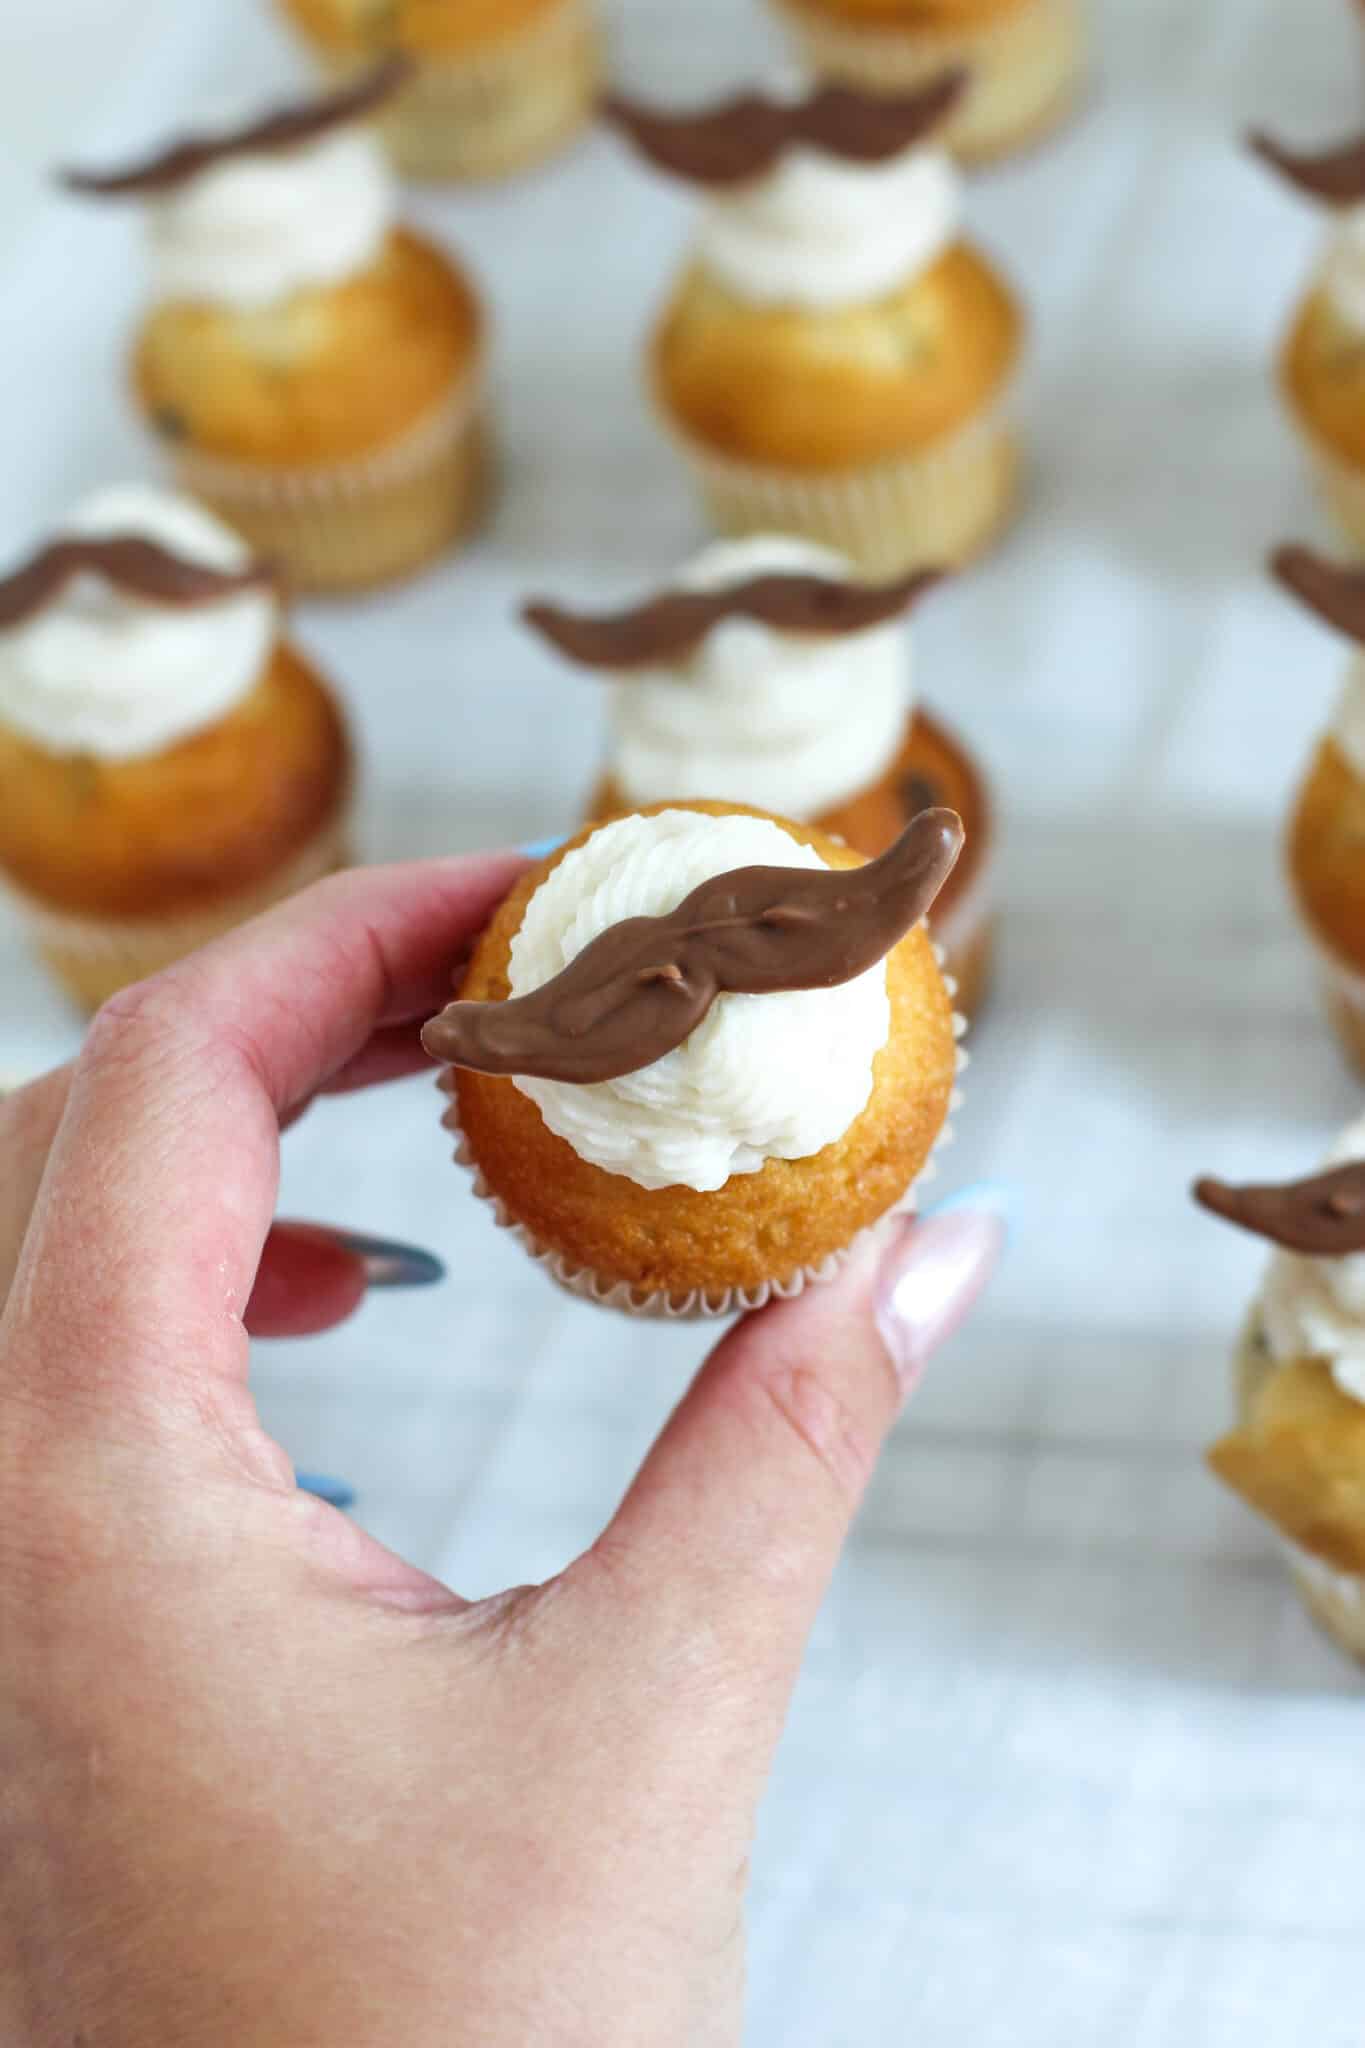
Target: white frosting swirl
[761, 1077]
[1315, 1308]
[792, 722]
[250, 230]
[99, 671]
[817, 231]
[1348, 722]
[1343, 273]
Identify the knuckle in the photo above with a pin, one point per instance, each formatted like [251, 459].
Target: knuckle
[828, 1429]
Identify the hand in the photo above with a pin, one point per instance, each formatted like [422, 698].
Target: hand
[265, 1782]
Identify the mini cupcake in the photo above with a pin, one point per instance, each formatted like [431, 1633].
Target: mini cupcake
[312, 370]
[700, 1050]
[765, 675]
[169, 764]
[1326, 849]
[835, 361]
[1026, 58]
[1322, 362]
[1297, 1453]
[496, 84]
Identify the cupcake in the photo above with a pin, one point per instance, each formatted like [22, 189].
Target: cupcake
[312, 370]
[835, 361]
[764, 674]
[1326, 850]
[700, 1050]
[495, 84]
[1322, 362]
[1026, 58]
[169, 764]
[1297, 1452]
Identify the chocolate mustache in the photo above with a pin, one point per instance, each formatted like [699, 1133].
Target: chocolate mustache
[140, 567]
[1335, 593]
[280, 128]
[744, 137]
[1323, 1217]
[643, 986]
[1335, 175]
[670, 626]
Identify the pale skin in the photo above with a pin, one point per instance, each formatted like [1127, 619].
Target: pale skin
[263, 1781]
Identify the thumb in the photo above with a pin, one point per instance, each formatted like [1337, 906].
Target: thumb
[736, 1520]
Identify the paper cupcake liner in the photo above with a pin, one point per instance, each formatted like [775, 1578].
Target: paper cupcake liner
[1343, 995]
[696, 1304]
[500, 109]
[343, 526]
[94, 957]
[943, 505]
[1335, 1599]
[1026, 68]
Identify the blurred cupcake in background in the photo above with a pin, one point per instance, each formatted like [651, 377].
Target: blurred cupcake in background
[700, 1051]
[765, 673]
[495, 84]
[835, 360]
[1026, 58]
[1297, 1451]
[312, 370]
[1322, 362]
[169, 763]
[1326, 849]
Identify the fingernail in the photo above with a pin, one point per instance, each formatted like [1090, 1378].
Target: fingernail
[994, 1196]
[388, 1263]
[335, 1492]
[537, 849]
[929, 1280]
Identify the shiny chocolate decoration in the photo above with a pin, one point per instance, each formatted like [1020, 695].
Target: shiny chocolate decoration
[744, 137]
[140, 567]
[1334, 592]
[281, 128]
[1323, 1217]
[671, 626]
[643, 986]
[1336, 176]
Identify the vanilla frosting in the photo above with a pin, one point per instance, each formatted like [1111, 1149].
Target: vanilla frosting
[762, 1077]
[1348, 721]
[818, 231]
[100, 671]
[791, 722]
[1315, 1308]
[1344, 268]
[249, 230]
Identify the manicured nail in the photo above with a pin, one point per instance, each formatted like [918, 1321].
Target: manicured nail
[388, 1263]
[930, 1278]
[994, 1196]
[538, 849]
[335, 1492]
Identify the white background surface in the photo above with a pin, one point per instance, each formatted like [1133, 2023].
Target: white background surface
[1067, 1765]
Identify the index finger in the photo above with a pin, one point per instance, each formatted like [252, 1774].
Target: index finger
[161, 1181]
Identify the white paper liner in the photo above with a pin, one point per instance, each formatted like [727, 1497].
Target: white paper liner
[1026, 67]
[697, 1305]
[107, 953]
[945, 504]
[496, 109]
[365, 519]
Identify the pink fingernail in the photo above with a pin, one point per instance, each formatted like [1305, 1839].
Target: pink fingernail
[930, 1279]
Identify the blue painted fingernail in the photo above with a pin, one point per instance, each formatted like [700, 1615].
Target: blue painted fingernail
[388, 1263]
[995, 1196]
[335, 1492]
[538, 849]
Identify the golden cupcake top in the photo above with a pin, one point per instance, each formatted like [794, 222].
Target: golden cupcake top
[448, 29]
